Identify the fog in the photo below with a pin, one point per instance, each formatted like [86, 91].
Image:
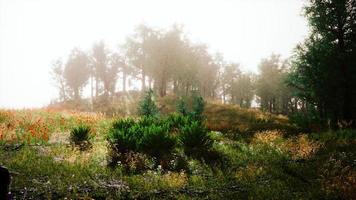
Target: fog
[34, 33]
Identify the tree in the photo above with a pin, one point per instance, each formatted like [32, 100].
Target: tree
[137, 48]
[219, 62]
[101, 69]
[58, 77]
[271, 84]
[207, 75]
[324, 71]
[112, 74]
[243, 90]
[76, 72]
[123, 67]
[171, 61]
[148, 106]
[229, 77]
[236, 86]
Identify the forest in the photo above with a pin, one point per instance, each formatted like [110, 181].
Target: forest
[163, 117]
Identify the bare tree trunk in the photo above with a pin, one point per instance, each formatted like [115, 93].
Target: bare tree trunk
[224, 96]
[91, 92]
[175, 87]
[296, 105]
[62, 91]
[143, 79]
[163, 87]
[150, 83]
[186, 89]
[124, 77]
[96, 87]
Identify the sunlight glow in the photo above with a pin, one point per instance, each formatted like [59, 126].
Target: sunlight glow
[35, 32]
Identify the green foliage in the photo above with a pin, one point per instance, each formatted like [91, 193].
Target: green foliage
[305, 121]
[148, 106]
[149, 136]
[123, 124]
[198, 107]
[123, 136]
[182, 107]
[80, 136]
[176, 121]
[145, 121]
[322, 71]
[195, 139]
[267, 166]
[156, 141]
[274, 94]
[237, 85]
[330, 136]
[158, 137]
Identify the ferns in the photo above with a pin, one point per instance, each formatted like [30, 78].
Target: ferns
[195, 139]
[80, 137]
[160, 137]
[157, 141]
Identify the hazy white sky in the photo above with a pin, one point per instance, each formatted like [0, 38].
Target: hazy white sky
[35, 32]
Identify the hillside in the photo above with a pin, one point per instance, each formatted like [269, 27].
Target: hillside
[254, 156]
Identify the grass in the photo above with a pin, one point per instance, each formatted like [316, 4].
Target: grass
[266, 161]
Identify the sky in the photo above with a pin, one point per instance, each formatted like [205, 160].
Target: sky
[33, 33]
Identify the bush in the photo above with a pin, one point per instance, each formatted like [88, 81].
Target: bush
[195, 139]
[198, 107]
[158, 138]
[176, 121]
[156, 141]
[148, 136]
[306, 121]
[123, 123]
[80, 137]
[182, 107]
[145, 121]
[123, 136]
[339, 135]
[147, 106]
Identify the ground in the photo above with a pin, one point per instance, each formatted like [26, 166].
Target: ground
[261, 156]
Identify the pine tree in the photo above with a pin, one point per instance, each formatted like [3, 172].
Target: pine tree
[147, 106]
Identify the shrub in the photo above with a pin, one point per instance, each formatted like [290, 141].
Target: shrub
[148, 120]
[122, 139]
[198, 107]
[80, 137]
[148, 136]
[123, 123]
[176, 121]
[339, 135]
[182, 107]
[147, 106]
[306, 121]
[156, 141]
[195, 139]
[123, 135]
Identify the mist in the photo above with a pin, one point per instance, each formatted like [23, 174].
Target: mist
[177, 99]
[33, 34]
